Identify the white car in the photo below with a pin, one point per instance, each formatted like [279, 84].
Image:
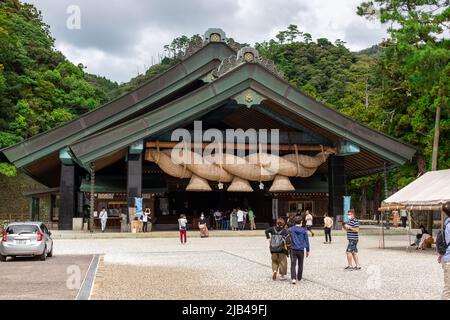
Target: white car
[26, 239]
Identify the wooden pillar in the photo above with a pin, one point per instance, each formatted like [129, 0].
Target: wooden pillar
[336, 189]
[134, 178]
[67, 190]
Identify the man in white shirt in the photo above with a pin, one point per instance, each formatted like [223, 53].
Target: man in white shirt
[145, 215]
[327, 225]
[240, 219]
[309, 222]
[404, 217]
[103, 218]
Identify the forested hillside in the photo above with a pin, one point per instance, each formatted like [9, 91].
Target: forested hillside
[395, 86]
[39, 87]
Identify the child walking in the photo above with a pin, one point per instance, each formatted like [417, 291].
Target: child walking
[182, 223]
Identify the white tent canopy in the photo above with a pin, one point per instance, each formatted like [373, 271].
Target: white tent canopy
[429, 192]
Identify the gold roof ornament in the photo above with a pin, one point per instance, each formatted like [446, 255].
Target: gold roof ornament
[215, 37]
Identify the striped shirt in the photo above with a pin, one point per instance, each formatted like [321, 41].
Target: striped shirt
[353, 235]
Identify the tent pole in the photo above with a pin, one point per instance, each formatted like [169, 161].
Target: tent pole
[409, 230]
[382, 230]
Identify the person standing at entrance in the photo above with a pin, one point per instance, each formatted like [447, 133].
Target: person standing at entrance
[182, 225]
[103, 218]
[233, 220]
[240, 219]
[404, 217]
[327, 225]
[251, 217]
[299, 244]
[145, 216]
[352, 228]
[309, 222]
[444, 254]
[278, 237]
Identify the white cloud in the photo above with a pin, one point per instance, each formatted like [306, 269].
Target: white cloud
[119, 37]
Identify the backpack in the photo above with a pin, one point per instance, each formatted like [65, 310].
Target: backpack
[441, 243]
[277, 242]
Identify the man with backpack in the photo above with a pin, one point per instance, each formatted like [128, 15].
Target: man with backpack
[443, 248]
[278, 238]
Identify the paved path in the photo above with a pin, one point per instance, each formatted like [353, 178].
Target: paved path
[239, 268]
[57, 278]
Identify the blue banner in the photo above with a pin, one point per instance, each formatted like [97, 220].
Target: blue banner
[139, 211]
[347, 200]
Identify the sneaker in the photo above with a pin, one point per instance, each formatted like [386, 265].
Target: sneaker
[357, 268]
[283, 277]
[348, 268]
[294, 281]
[274, 275]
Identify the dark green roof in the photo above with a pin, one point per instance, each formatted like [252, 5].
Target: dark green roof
[150, 93]
[212, 96]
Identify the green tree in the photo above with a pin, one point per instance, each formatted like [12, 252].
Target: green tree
[416, 62]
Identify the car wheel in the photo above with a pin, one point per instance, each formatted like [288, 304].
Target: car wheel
[43, 256]
[3, 258]
[50, 254]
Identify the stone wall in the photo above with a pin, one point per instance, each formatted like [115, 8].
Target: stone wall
[13, 205]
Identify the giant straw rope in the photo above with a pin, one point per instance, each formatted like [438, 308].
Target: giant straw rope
[258, 167]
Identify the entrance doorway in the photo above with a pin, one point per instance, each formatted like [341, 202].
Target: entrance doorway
[192, 204]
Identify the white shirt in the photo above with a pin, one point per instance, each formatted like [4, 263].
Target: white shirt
[309, 219]
[104, 215]
[145, 217]
[328, 222]
[182, 223]
[240, 215]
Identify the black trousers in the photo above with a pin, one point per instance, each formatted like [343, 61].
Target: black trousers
[297, 257]
[327, 234]
[144, 227]
[404, 219]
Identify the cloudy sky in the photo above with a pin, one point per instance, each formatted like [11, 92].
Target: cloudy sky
[119, 38]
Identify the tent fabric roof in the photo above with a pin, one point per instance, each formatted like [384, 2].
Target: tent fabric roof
[429, 191]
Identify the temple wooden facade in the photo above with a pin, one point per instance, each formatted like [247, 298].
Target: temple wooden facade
[225, 87]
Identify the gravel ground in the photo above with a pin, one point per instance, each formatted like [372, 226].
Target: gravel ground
[239, 268]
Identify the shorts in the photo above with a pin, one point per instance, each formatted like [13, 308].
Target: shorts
[352, 246]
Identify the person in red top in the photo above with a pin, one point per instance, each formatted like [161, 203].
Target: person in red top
[182, 225]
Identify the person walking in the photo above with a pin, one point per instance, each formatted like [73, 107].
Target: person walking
[240, 219]
[203, 227]
[327, 225]
[103, 218]
[309, 222]
[182, 225]
[278, 237]
[299, 244]
[352, 228]
[251, 217]
[443, 246]
[145, 216]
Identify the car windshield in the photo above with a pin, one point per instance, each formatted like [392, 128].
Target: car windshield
[22, 229]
